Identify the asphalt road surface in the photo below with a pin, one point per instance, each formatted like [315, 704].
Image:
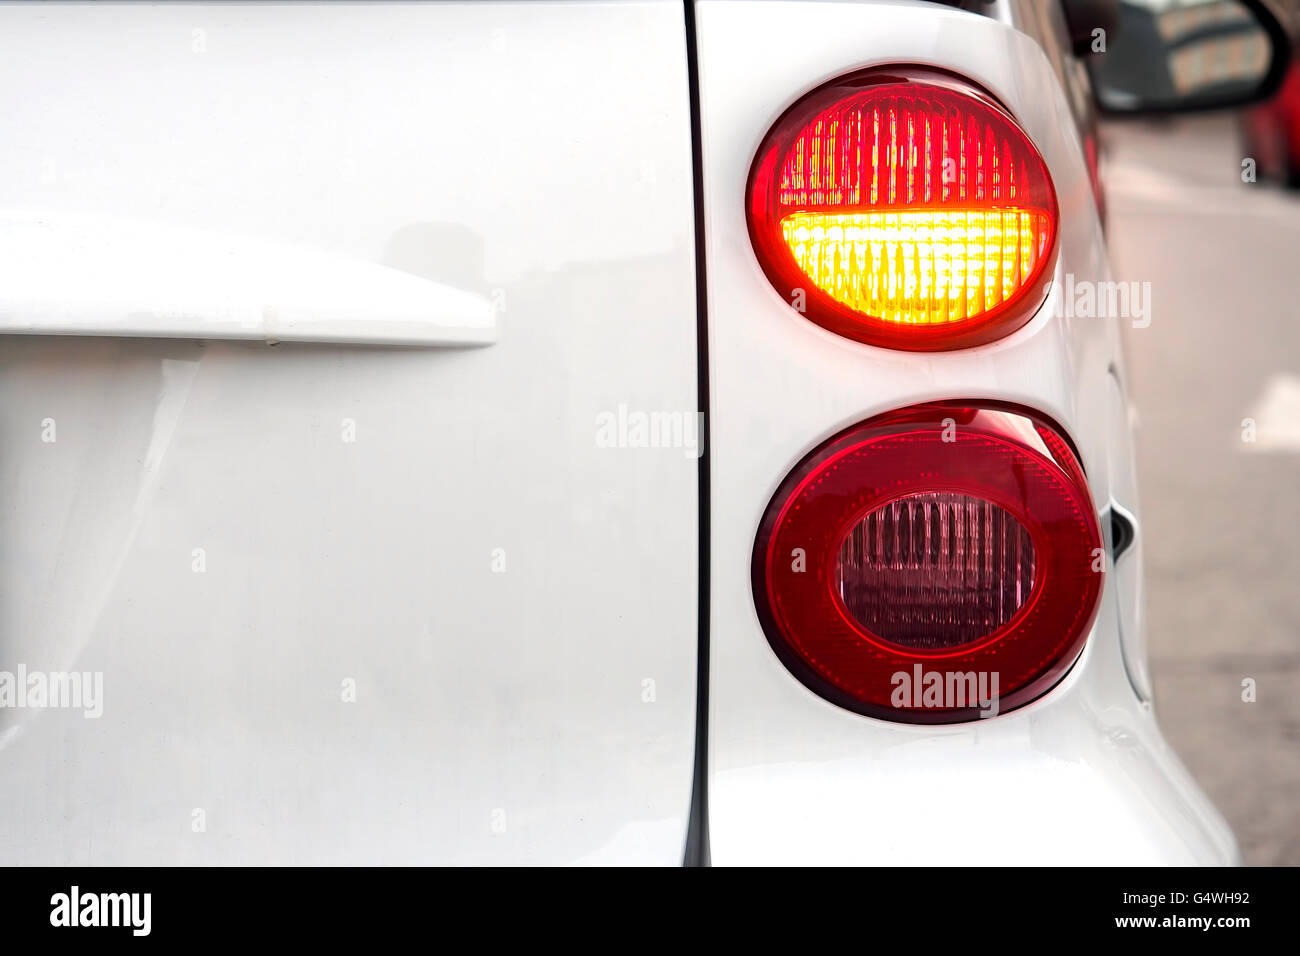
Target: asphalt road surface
[1221, 515]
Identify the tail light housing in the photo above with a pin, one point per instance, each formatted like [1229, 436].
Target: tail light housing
[945, 538]
[904, 208]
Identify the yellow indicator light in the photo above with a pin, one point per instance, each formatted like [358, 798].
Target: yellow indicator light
[919, 266]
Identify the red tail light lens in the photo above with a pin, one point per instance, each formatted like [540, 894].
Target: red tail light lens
[904, 209]
[944, 539]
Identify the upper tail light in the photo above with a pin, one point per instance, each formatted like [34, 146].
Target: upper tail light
[947, 540]
[904, 209]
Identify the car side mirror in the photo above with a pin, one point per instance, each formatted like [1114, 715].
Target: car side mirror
[1176, 56]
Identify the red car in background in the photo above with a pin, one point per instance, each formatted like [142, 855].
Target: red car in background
[1271, 132]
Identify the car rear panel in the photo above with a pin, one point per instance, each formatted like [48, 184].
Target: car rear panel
[1082, 774]
[356, 604]
[414, 604]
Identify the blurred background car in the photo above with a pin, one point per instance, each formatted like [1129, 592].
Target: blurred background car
[1272, 132]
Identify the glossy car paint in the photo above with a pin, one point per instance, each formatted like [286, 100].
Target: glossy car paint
[232, 532]
[202, 531]
[1082, 775]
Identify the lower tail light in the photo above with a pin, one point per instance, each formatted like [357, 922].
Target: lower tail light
[929, 563]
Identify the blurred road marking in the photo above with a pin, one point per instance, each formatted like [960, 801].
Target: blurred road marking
[1277, 416]
[1133, 181]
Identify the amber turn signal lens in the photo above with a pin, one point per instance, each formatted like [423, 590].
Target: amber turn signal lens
[906, 210]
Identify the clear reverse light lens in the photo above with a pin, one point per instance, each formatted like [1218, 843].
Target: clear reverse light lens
[936, 570]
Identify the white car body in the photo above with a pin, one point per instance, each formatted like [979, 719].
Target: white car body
[364, 584]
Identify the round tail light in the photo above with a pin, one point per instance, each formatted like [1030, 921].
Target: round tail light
[937, 548]
[904, 208]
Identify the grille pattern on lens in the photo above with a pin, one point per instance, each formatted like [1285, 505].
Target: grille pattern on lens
[915, 205]
[898, 146]
[936, 570]
[924, 268]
